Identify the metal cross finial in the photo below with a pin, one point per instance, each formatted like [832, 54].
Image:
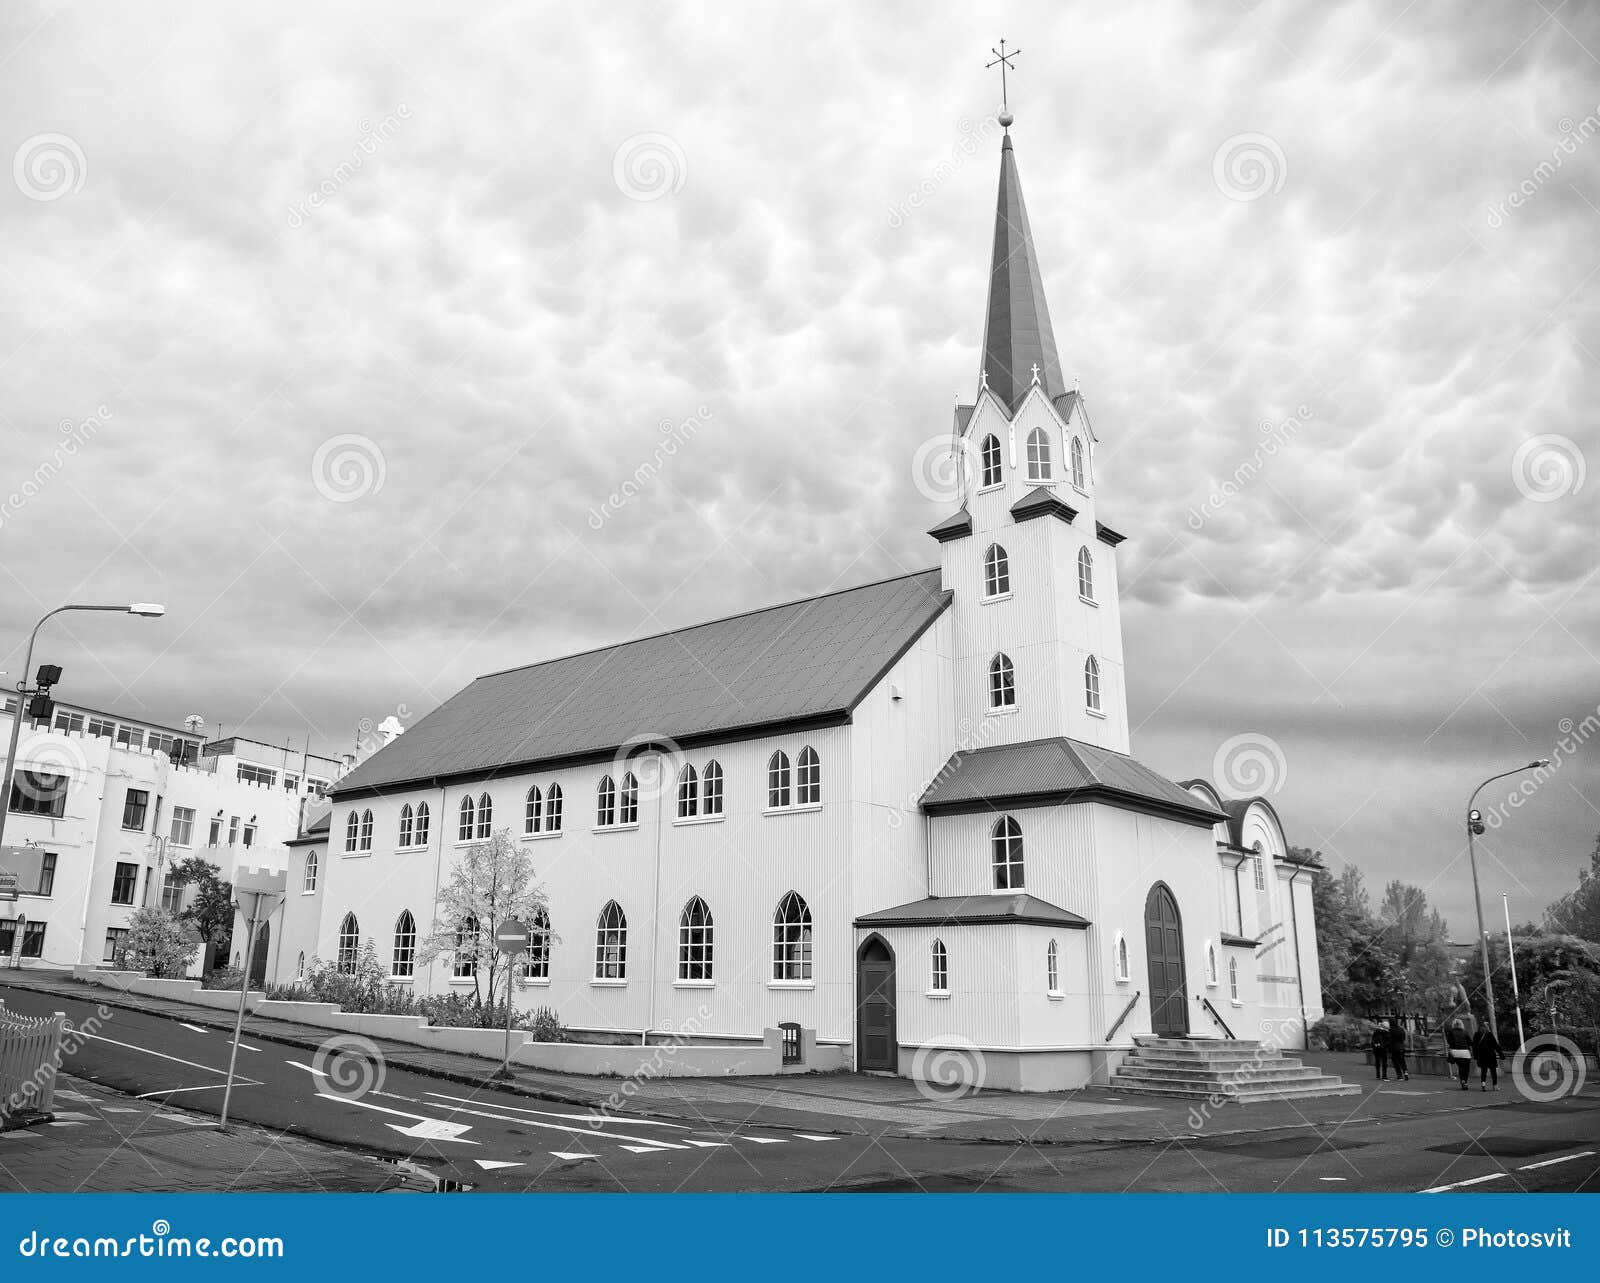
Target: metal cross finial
[1002, 59]
[1035, 371]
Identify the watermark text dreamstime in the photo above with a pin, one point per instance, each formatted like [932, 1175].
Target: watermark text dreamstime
[366, 145]
[674, 436]
[1572, 136]
[74, 437]
[1274, 437]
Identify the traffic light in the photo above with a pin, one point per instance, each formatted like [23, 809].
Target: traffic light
[1475, 823]
[41, 708]
[49, 675]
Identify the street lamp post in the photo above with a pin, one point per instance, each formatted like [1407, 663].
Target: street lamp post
[1475, 827]
[148, 610]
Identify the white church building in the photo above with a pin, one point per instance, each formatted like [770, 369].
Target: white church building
[902, 815]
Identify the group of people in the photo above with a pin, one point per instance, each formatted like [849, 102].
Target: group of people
[1482, 1048]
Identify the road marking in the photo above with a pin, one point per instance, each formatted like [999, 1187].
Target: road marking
[297, 1065]
[118, 1109]
[546, 1113]
[20, 1133]
[1551, 1162]
[809, 1136]
[69, 1114]
[63, 1094]
[763, 1140]
[1476, 1180]
[63, 1124]
[425, 1128]
[1332, 1178]
[650, 1149]
[572, 1157]
[199, 1029]
[561, 1127]
[161, 1055]
[244, 1047]
[706, 1144]
[493, 1164]
[186, 1120]
[173, 1091]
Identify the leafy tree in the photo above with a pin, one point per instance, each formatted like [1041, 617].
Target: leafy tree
[212, 909]
[158, 944]
[1358, 973]
[1578, 912]
[1549, 965]
[1416, 941]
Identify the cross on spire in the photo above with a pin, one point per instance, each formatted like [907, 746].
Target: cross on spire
[1002, 59]
[1035, 371]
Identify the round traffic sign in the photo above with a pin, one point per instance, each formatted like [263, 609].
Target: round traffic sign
[513, 937]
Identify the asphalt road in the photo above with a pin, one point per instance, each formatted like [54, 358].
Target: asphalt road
[494, 1140]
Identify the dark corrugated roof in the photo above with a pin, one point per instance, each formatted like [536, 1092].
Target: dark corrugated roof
[1042, 501]
[956, 526]
[1236, 807]
[963, 417]
[801, 660]
[1107, 535]
[973, 910]
[1057, 769]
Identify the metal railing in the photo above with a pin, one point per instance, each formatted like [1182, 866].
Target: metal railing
[1217, 1016]
[30, 1054]
[1132, 1002]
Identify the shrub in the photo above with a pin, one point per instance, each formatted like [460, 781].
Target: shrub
[545, 1026]
[224, 978]
[1342, 1033]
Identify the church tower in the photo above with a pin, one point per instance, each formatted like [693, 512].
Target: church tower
[1037, 633]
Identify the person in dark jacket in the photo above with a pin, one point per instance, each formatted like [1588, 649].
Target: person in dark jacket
[1397, 1048]
[1458, 1048]
[1380, 1049]
[1486, 1051]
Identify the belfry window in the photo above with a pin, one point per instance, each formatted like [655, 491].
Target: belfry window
[1091, 684]
[1077, 463]
[1038, 455]
[996, 572]
[989, 454]
[1005, 845]
[1085, 574]
[1002, 683]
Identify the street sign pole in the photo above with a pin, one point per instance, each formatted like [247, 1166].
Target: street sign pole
[511, 939]
[257, 888]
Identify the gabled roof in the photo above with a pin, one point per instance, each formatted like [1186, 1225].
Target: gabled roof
[974, 910]
[1048, 771]
[956, 526]
[963, 417]
[1042, 501]
[802, 663]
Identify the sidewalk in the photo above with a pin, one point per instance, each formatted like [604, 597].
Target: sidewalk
[871, 1105]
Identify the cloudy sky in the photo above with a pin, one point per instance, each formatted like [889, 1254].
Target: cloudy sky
[334, 327]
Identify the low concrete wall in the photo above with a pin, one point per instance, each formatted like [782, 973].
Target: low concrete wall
[662, 1061]
[176, 990]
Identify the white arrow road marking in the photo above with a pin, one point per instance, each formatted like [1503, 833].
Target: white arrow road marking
[199, 1029]
[1476, 1180]
[560, 1127]
[650, 1149]
[546, 1113]
[447, 1130]
[809, 1136]
[1549, 1162]
[493, 1164]
[572, 1157]
[706, 1144]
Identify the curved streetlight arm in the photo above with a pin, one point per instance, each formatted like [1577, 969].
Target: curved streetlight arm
[1516, 770]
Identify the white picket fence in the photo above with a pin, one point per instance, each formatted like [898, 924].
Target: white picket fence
[30, 1054]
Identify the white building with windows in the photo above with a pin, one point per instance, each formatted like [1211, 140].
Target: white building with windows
[902, 815]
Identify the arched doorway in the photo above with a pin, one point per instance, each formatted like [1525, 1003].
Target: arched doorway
[877, 1048]
[1163, 939]
[258, 959]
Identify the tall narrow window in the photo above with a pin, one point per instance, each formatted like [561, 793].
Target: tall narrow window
[134, 808]
[485, 816]
[1002, 683]
[996, 572]
[308, 883]
[469, 820]
[1038, 455]
[791, 939]
[1005, 849]
[407, 819]
[419, 835]
[1211, 963]
[939, 968]
[123, 881]
[1119, 958]
[711, 789]
[404, 964]
[605, 803]
[694, 941]
[1259, 868]
[539, 946]
[688, 793]
[352, 831]
[1091, 684]
[628, 800]
[349, 944]
[533, 811]
[777, 780]
[1077, 462]
[990, 453]
[611, 943]
[469, 939]
[1233, 979]
[300, 966]
[366, 831]
[808, 778]
[1085, 574]
[552, 809]
[1052, 968]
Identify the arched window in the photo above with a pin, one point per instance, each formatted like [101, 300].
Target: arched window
[605, 810]
[1258, 867]
[939, 968]
[468, 825]
[300, 966]
[1052, 968]
[552, 809]
[419, 834]
[808, 778]
[711, 789]
[990, 453]
[308, 883]
[688, 793]
[1211, 963]
[1005, 846]
[1077, 462]
[694, 941]
[1085, 574]
[1119, 958]
[777, 780]
[352, 831]
[485, 816]
[1002, 683]
[539, 946]
[611, 943]
[1233, 979]
[628, 800]
[533, 811]
[791, 939]
[1038, 455]
[407, 820]
[996, 572]
[1091, 684]
[349, 944]
[469, 940]
[366, 830]
[404, 965]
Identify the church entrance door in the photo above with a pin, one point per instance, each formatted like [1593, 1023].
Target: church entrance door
[877, 1048]
[1163, 937]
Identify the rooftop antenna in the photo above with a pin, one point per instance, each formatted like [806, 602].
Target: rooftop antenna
[1002, 59]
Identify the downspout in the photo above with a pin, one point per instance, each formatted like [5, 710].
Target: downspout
[438, 863]
[655, 912]
[1238, 895]
[1299, 970]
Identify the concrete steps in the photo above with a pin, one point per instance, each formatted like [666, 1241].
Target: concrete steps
[1234, 1068]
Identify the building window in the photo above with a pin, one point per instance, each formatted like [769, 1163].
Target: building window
[349, 945]
[791, 939]
[300, 966]
[628, 800]
[172, 895]
[1119, 958]
[308, 883]
[130, 737]
[694, 941]
[291, 783]
[135, 809]
[1002, 683]
[352, 831]
[233, 830]
[366, 830]
[404, 965]
[71, 723]
[123, 882]
[533, 811]
[605, 803]
[1077, 462]
[468, 825]
[182, 825]
[990, 455]
[711, 789]
[1085, 574]
[777, 780]
[939, 968]
[468, 938]
[39, 793]
[1233, 979]
[611, 943]
[214, 834]
[1091, 684]
[1038, 455]
[996, 572]
[407, 823]
[1052, 968]
[552, 809]
[116, 942]
[249, 835]
[249, 773]
[485, 816]
[539, 947]
[688, 793]
[1211, 964]
[808, 778]
[1259, 868]
[419, 833]
[1005, 845]
[47, 874]
[101, 728]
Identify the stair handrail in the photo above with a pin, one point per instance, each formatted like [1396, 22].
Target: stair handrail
[1217, 1016]
[1132, 1002]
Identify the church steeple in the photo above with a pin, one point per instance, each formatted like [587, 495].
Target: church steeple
[1017, 338]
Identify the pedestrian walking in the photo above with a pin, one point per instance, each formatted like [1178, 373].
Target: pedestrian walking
[1458, 1047]
[1486, 1051]
[1397, 1048]
[1380, 1049]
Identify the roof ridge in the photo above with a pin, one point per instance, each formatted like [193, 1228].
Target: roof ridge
[708, 623]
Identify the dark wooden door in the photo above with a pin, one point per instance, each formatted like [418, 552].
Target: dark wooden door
[875, 1034]
[1163, 941]
[258, 960]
